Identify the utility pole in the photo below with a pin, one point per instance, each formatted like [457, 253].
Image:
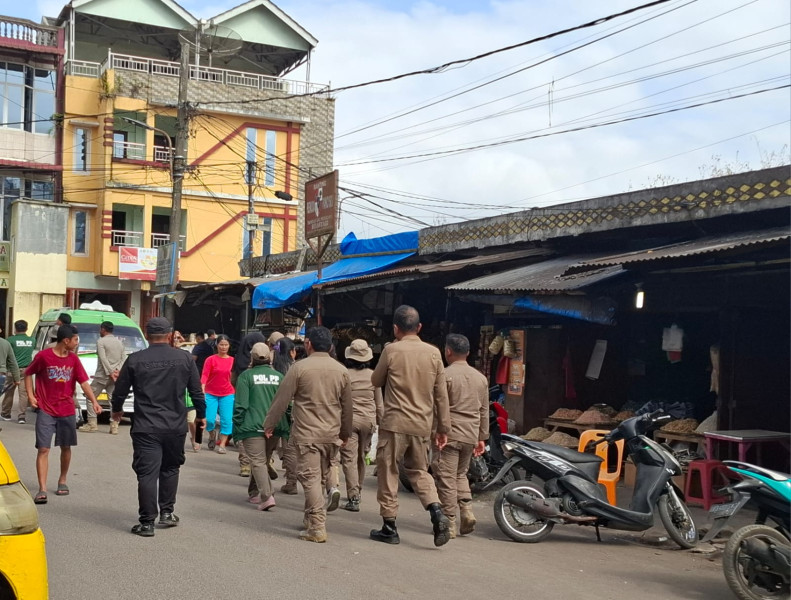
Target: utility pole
[252, 220]
[179, 166]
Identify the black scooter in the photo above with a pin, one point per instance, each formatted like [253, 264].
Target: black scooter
[526, 511]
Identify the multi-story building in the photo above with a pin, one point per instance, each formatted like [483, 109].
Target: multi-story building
[122, 78]
[32, 249]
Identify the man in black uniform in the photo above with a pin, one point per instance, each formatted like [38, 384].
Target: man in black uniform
[158, 376]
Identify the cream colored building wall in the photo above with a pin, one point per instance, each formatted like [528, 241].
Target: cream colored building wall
[25, 146]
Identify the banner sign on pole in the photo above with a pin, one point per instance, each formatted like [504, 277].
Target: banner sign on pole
[321, 205]
[166, 265]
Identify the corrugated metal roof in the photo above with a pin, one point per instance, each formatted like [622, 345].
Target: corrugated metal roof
[444, 266]
[707, 245]
[544, 276]
[252, 281]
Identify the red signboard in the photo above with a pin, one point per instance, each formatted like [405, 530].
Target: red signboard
[321, 205]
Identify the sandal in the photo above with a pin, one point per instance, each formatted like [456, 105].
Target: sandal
[63, 490]
[195, 447]
[221, 450]
[40, 498]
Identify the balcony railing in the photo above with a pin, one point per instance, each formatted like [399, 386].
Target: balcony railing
[83, 68]
[162, 154]
[124, 62]
[130, 150]
[160, 239]
[23, 30]
[127, 238]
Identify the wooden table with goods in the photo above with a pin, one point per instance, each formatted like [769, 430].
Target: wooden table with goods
[555, 424]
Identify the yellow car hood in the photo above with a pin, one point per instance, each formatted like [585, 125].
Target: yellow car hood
[8, 472]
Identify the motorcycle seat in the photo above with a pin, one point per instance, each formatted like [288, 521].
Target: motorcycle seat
[567, 454]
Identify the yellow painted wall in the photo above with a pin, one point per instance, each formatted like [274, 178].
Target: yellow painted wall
[214, 189]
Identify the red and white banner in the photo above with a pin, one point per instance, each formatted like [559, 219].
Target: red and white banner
[137, 263]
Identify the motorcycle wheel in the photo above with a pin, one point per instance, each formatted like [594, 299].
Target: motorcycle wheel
[739, 567]
[518, 524]
[677, 520]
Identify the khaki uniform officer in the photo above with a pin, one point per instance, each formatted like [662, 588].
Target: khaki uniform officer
[468, 394]
[413, 377]
[322, 419]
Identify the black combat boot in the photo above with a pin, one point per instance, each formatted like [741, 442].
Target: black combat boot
[441, 524]
[388, 533]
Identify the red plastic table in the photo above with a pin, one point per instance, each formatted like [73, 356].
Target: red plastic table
[746, 439]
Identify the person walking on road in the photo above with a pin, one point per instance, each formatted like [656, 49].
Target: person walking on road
[255, 390]
[284, 355]
[216, 380]
[367, 414]
[241, 363]
[415, 391]
[321, 393]
[22, 349]
[468, 395]
[158, 377]
[111, 356]
[57, 371]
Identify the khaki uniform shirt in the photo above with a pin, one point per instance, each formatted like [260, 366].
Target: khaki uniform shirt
[414, 380]
[322, 395]
[367, 398]
[111, 356]
[468, 393]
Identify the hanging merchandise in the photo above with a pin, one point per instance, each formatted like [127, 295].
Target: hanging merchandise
[714, 352]
[510, 348]
[596, 360]
[497, 344]
[673, 338]
[503, 369]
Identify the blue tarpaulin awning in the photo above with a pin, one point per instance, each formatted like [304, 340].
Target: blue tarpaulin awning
[360, 257]
[283, 291]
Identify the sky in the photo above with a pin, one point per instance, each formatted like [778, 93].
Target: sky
[405, 146]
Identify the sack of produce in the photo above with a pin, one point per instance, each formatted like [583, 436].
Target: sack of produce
[565, 414]
[537, 434]
[563, 439]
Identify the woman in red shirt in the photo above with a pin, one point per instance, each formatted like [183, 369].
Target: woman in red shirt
[216, 380]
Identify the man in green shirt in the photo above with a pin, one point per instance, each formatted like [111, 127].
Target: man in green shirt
[15, 353]
[255, 389]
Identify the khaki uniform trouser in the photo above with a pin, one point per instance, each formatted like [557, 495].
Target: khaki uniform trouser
[452, 484]
[412, 452]
[98, 386]
[288, 456]
[353, 458]
[258, 451]
[244, 458]
[313, 467]
[8, 399]
[333, 477]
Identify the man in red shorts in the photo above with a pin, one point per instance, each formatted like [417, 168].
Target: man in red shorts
[57, 371]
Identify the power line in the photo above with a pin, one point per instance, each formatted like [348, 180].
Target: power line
[593, 126]
[460, 62]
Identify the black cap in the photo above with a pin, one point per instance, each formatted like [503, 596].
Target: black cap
[158, 326]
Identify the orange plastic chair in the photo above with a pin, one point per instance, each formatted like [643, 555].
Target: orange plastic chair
[607, 478]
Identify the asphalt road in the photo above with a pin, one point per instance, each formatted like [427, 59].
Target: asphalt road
[224, 548]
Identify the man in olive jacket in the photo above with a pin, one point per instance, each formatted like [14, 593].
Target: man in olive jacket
[322, 420]
[255, 389]
[412, 374]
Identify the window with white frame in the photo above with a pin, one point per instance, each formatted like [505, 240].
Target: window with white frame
[27, 98]
[82, 149]
[79, 233]
[271, 153]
